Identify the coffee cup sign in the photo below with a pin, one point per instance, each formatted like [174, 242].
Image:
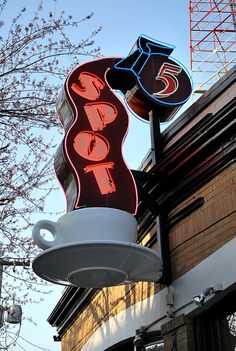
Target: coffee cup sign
[94, 243]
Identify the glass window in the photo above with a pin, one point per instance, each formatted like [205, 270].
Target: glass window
[215, 329]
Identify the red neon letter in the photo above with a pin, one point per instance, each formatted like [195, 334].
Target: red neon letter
[90, 86]
[92, 146]
[100, 114]
[103, 177]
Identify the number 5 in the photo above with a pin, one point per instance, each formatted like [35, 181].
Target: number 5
[167, 74]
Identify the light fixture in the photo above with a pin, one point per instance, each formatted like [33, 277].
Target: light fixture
[138, 341]
[14, 314]
[170, 302]
[56, 338]
[200, 299]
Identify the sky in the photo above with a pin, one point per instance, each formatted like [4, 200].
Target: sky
[122, 23]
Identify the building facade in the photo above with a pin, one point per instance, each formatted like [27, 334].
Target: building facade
[187, 212]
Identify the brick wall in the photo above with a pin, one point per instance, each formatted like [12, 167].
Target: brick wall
[178, 335]
[107, 303]
[207, 228]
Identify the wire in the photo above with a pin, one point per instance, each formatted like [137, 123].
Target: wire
[15, 342]
[7, 332]
[39, 347]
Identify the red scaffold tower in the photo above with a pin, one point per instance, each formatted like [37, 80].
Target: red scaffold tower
[212, 40]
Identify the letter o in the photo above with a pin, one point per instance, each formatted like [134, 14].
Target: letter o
[91, 146]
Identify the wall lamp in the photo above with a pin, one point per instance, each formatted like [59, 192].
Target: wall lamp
[199, 300]
[56, 338]
[138, 341]
[14, 314]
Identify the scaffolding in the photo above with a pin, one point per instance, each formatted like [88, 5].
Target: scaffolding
[212, 41]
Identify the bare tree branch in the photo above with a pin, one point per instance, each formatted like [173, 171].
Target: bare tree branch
[35, 57]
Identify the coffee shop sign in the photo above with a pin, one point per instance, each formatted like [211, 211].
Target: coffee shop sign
[94, 243]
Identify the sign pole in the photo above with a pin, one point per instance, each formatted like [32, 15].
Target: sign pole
[156, 142]
[162, 219]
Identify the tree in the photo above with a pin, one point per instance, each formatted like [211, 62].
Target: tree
[35, 58]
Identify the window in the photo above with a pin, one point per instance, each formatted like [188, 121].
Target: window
[215, 328]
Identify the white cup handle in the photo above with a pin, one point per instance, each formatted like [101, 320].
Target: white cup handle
[52, 227]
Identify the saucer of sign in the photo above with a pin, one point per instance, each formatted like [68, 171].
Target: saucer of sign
[95, 264]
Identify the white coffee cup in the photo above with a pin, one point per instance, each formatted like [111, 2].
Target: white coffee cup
[87, 224]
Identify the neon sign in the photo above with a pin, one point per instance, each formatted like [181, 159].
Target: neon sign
[151, 79]
[89, 163]
[98, 243]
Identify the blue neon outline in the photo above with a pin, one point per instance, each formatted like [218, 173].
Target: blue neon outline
[158, 44]
[137, 75]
